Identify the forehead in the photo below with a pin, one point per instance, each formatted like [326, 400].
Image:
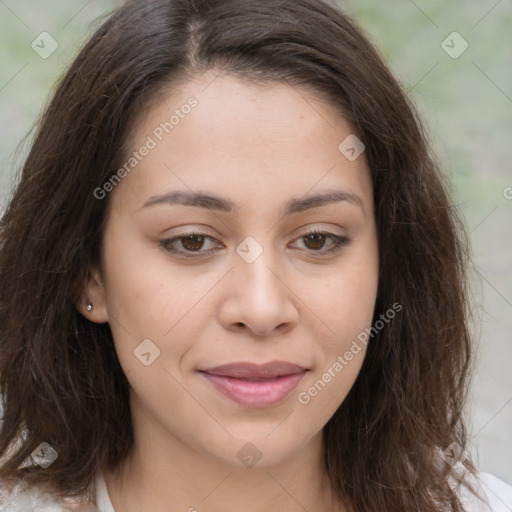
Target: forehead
[224, 134]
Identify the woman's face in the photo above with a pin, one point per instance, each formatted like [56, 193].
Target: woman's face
[248, 170]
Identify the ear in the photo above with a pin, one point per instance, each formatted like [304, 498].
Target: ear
[92, 302]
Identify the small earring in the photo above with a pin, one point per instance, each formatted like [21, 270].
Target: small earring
[89, 307]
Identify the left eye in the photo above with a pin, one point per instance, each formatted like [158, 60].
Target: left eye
[315, 241]
[194, 242]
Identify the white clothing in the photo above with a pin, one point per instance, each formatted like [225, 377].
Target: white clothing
[497, 498]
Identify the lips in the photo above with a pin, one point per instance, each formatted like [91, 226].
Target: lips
[254, 371]
[252, 385]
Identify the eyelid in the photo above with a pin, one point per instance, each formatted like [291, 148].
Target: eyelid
[338, 242]
[187, 254]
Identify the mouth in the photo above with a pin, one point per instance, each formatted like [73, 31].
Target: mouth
[252, 385]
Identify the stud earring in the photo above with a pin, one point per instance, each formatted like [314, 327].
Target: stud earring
[89, 307]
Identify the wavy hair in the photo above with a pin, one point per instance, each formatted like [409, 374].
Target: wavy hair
[60, 379]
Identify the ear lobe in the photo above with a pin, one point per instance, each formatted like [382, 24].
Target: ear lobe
[92, 303]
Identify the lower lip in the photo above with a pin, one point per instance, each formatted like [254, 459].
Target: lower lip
[250, 393]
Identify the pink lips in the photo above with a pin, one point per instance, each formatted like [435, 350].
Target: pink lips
[252, 385]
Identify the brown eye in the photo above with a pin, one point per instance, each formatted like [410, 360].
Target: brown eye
[315, 241]
[192, 242]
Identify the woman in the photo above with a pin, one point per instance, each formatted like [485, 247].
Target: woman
[232, 277]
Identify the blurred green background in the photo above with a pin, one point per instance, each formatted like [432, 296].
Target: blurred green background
[466, 102]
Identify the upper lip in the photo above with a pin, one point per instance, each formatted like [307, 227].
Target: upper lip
[244, 370]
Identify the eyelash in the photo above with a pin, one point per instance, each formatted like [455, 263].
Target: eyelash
[338, 243]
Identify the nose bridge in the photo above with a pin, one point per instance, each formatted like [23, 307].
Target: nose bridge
[262, 301]
[255, 267]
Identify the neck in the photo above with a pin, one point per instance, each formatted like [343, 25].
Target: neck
[163, 470]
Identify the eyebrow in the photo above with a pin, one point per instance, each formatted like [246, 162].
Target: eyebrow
[222, 204]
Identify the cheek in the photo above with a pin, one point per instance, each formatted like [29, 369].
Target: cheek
[345, 297]
[358, 283]
[346, 308]
[148, 298]
[326, 388]
[143, 290]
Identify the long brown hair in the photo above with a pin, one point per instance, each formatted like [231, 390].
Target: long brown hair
[60, 378]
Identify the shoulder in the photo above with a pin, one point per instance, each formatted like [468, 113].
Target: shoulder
[495, 495]
[21, 497]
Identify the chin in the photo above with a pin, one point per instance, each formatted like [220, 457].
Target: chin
[258, 451]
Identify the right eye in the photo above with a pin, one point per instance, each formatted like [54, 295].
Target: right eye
[192, 243]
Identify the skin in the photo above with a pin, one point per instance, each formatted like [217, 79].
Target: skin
[259, 147]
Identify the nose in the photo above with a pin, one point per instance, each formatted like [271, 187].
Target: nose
[258, 297]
